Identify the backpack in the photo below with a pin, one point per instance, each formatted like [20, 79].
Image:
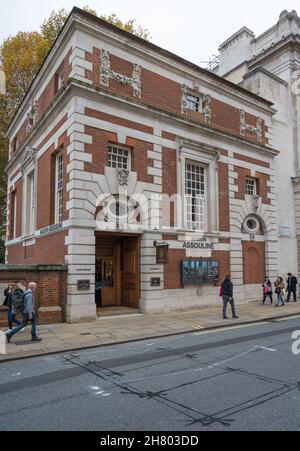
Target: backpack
[18, 301]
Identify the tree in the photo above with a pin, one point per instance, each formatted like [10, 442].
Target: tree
[130, 26]
[21, 57]
[51, 27]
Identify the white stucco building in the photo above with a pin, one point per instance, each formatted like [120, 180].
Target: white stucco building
[269, 65]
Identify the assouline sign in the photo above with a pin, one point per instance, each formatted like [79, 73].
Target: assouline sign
[200, 244]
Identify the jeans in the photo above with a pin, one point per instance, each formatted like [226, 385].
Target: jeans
[268, 295]
[24, 324]
[280, 300]
[11, 319]
[290, 292]
[230, 300]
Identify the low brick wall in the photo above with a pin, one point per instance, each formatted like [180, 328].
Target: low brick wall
[51, 292]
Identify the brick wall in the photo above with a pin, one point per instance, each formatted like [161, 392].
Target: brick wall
[50, 249]
[172, 270]
[51, 290]
[99, 149]
[224, 208]
[164, 93]
[262, 184]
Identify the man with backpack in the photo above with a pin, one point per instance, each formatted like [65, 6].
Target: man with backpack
[10, 293]
[25, 304]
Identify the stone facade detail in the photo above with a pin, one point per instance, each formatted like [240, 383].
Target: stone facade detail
[32, 117]
[107, 73]
[123, 176]
[244, 127]
[207, 109]
[167, 158]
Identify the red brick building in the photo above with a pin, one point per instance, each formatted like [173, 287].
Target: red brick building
[137, 179]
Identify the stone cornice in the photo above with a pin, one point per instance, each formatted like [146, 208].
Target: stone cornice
[74, 87]
[291, 41]
[79, 19]
[180, 66]
[266, 72]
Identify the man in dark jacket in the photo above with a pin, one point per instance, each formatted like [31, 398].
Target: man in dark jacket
[292, 283]
[11, 318]
[29, 315]
[227, 295]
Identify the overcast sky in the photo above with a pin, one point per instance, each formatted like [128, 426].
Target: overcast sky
[191, 28]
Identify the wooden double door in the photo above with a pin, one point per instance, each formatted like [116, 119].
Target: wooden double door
[117, 271]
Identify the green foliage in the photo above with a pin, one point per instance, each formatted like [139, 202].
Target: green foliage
[51, 27]
[130, 26]
[21, 56]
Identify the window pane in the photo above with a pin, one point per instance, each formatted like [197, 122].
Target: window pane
[195, 196]
[118, 157]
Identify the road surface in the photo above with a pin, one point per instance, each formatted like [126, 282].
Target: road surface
[244, 378]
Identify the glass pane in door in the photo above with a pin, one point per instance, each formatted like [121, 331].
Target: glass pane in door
[108, 274]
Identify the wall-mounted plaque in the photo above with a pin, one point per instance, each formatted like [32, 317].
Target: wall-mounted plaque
[284, 232]
[155, 282]
[200, 272]
[83, 285]
[162, 254]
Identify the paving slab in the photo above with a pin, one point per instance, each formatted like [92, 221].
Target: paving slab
[121, 329]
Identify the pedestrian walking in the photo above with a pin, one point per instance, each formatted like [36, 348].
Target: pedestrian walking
[9, 292]
[279, 290]
[26, 306]
[267, 290]
[227, 295]
[292, 283]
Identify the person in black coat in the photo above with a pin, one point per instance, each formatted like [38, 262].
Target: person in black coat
[11, 318]
[227, 295]
[292, 283]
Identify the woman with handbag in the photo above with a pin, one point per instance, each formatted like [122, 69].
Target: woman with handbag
[279, 290]
[267, 290]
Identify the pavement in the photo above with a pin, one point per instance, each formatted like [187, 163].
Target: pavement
[243, 378]
[59, 338]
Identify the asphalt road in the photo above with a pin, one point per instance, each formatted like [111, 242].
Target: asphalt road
[245, 378]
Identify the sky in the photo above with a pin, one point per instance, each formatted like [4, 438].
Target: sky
[193, 29]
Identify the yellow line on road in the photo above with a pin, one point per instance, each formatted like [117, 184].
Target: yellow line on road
[224, 329]
[279, 320]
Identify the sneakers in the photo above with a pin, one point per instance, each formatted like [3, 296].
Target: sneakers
[8, 331]
[235, 317]
[36, 339]
[8, 337]
[23, 330]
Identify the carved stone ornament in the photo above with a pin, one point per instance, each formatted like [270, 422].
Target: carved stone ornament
[29, 159]
[107, 73]
[123, 176]
[255, 203]
[185, 92]
[32, 117]
[258, 130]
[207, 109]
